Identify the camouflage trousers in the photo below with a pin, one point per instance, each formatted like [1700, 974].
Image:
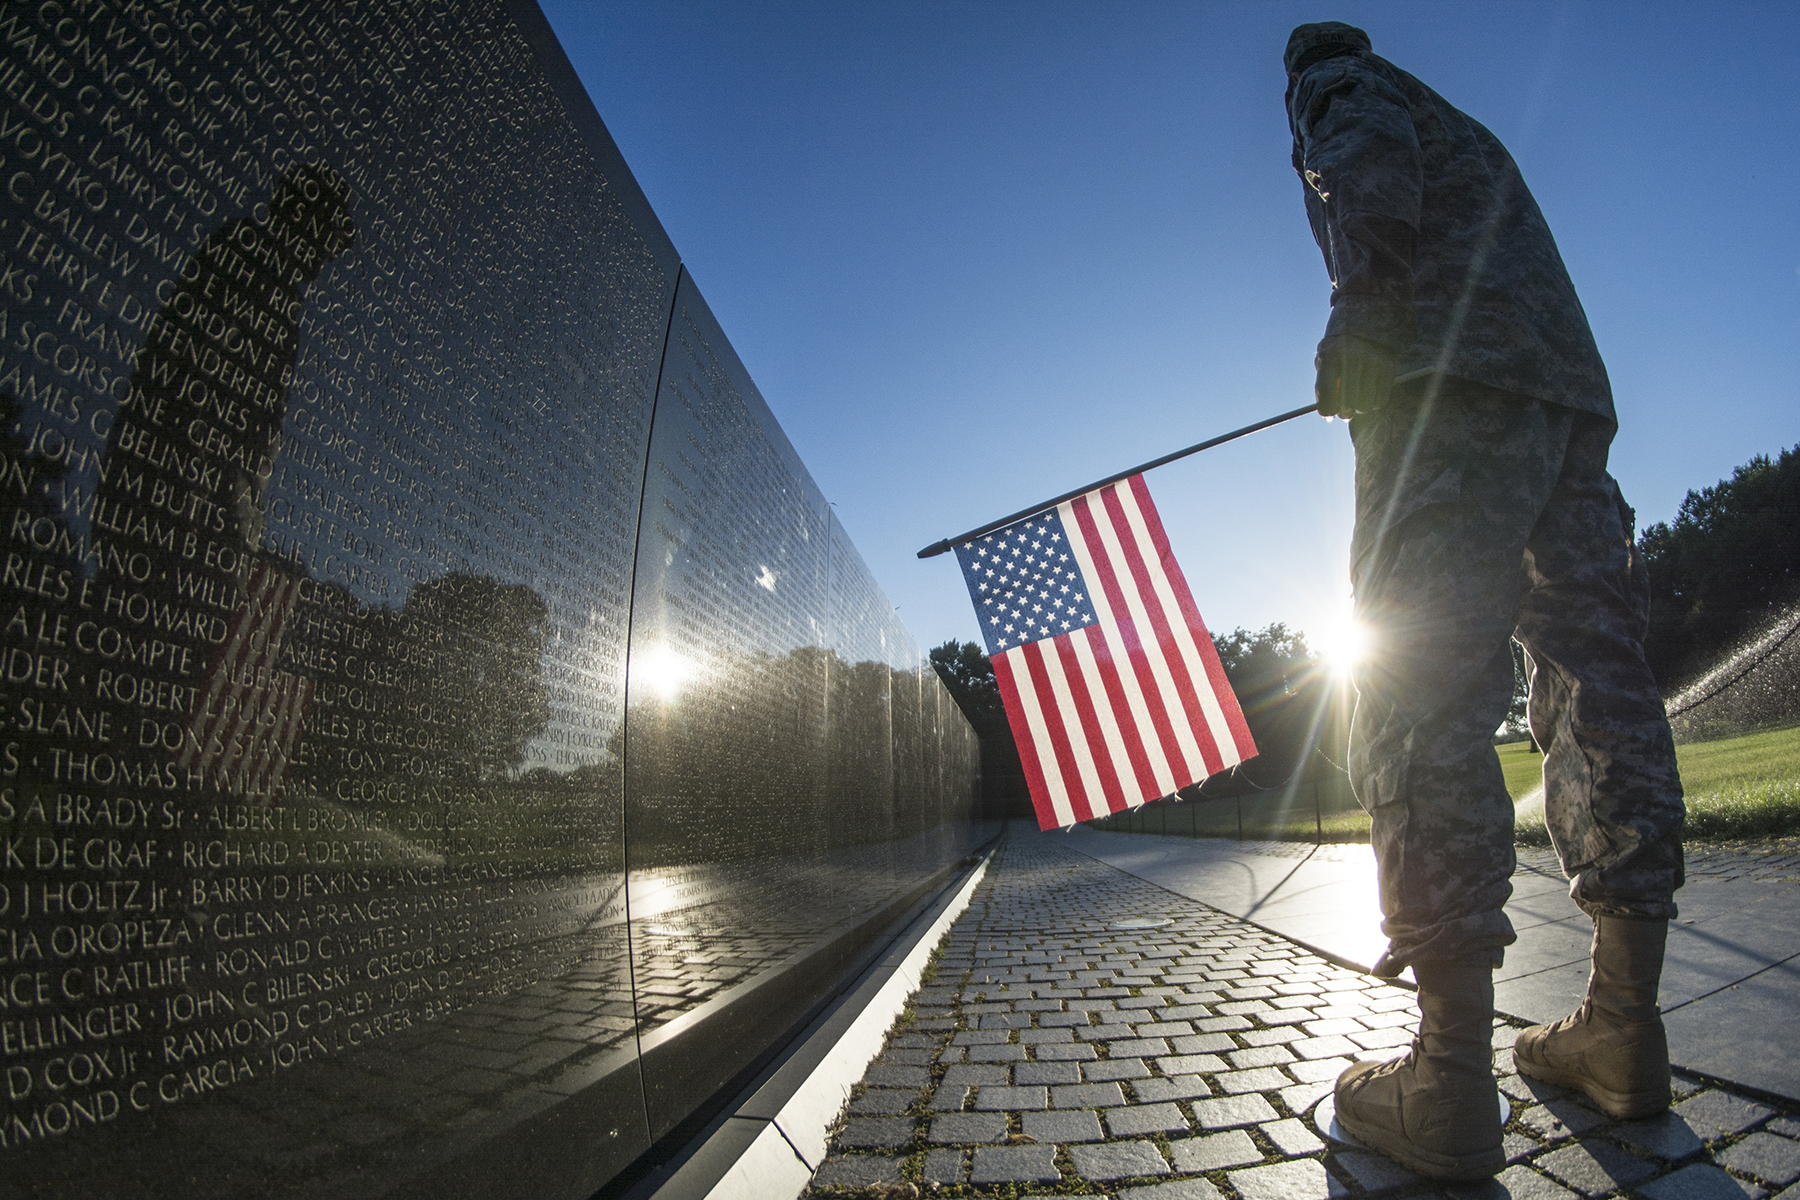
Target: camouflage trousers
[1480, 516]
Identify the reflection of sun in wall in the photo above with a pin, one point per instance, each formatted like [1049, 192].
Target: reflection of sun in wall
[765, 578]
[661, 671]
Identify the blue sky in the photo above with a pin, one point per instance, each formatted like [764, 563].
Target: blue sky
[978, 253]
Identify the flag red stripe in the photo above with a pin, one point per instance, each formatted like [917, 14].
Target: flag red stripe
[1028, 755]
[270, 742]
[287, 731]
[1209, 654]
[1165, 636]
[1161, 725]
[1114, 688]
[1088, 724]
[1060, 748]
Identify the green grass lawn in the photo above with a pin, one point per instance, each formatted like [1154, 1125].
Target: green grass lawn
[1524, 770]
[1742, 787]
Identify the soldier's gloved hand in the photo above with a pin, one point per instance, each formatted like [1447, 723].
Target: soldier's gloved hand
[1354, 376]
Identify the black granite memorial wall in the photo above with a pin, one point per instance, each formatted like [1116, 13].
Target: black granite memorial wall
[447, 737]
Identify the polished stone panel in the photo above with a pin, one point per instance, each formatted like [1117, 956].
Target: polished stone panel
[351, 391]
[859, 711]
[778, 806]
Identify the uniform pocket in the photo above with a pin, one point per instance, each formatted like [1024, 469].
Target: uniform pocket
[1385, 515]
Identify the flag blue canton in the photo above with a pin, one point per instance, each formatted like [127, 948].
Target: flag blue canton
[1026, 583]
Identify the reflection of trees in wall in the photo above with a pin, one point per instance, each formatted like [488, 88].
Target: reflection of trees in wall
[718, 762]
[430, 707]
[760, 755]
[859, 747]
[969, 678]
[447, 688]
[485, 641]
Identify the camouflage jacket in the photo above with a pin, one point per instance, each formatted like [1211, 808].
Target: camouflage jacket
[1436, 249]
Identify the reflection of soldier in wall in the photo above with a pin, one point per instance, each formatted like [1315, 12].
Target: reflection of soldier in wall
[188, 460]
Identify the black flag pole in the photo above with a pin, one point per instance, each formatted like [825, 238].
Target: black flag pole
[937, 548]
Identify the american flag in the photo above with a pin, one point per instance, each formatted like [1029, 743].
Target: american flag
[249, 713]
[1114, 691]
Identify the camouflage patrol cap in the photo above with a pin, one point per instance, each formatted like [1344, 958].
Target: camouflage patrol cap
[1321, 40]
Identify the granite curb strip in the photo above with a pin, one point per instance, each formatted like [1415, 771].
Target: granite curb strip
[782, 1155]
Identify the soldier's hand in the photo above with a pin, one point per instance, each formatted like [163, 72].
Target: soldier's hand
[1354, 376]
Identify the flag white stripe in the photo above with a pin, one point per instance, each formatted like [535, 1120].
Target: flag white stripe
[1195, 766]
[1069, 715]
[1177, 621]
[1040, 737]
[1160, 766]
[222, 721]
[1120, 753]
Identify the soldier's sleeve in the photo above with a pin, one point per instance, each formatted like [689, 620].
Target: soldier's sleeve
[1360, 157]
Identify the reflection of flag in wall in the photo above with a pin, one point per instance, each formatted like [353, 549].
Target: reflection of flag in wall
[1114, 691]
[247, 716]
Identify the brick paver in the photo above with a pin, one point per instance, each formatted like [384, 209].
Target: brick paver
[1055, 1051]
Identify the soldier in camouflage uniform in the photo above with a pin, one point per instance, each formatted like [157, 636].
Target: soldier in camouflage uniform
[1481, 416]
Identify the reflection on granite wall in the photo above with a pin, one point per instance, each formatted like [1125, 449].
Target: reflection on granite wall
[447, 734]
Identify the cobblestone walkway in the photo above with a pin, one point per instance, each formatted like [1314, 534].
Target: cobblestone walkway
[1070, 1045]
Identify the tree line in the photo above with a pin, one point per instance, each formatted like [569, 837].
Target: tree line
[1727, 565]
[1295, 708]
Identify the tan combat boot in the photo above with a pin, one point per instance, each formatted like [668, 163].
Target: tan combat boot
[1613, 1047]
[1438, 1109]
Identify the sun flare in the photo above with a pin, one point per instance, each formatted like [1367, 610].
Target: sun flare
[1345, 644]
[663, 671]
